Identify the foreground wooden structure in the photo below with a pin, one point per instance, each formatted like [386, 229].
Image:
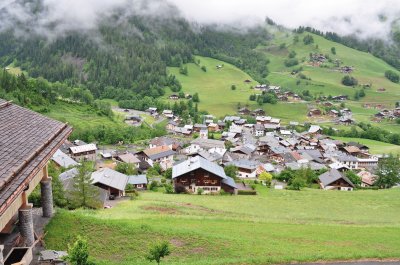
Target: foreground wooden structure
[28, 140]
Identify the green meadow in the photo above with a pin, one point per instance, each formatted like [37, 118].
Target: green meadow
[276, 226]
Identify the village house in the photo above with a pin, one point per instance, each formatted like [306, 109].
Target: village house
[244, 111]
[198, 127]
[258, 130]
[314, 112]
[152, 111]
[203, 134]
[333, 113]
[246, 168]
[213, 127]
[133, 119]
[172, 143]
[196, 173]
[85, 152]
[162, 155]
[314, 129]
[171, 125]
[258, 112]
[110, 180]
[168, 114]
[334, 180]
[174, 97]
[210, 145]
[340, 98]
[63, 160]
[263, 119]
[129, 158]
[367, 178]
[138, 182]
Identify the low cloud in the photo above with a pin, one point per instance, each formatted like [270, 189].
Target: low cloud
[367, 18]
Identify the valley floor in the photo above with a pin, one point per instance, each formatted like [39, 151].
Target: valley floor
[276, 226]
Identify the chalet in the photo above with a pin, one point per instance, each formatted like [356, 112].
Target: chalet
[83, 152]
[221, 125]
[174, 97]
[139, 182]
[283, 98]
[198, 173]
[210, 145]
[110, 180]
[244, 151]
[214, 157]
[274, 88]
[172, 143]
[367, 178]
[182, 131]
[152, 111]
[333, 113]
[334, 180]
[28, 141]
[63, 160]
[346, 121]
[340, 98]
[231, 118]
[246, 168]
[314, 129]
[213, 127]
[171, 125]
[160, 154]
[327, 104]
[314, 112]
[363, 148]
[258, 130]
[129, 158]
[133, 119]
[258, 112]
[263, 119]
[198, 127]
[168, 114]
[244, 111]
[203, 134]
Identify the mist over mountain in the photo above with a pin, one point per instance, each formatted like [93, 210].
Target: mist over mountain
[56, 17]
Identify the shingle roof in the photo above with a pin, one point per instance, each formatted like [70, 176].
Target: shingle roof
[195, 163]
[28, 140]
[244, 163]
[208, 143]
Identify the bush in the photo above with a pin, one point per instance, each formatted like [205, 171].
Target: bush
[153, 185]
[349, 81]
[169, 189]
[308, 39]
[179, 188]
[291, 62]
[200, 191]
[233, 87]
[204, 68]
[253, 186]
[392, 76]
[247, 192]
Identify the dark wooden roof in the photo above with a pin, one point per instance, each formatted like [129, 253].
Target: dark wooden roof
[27, 142]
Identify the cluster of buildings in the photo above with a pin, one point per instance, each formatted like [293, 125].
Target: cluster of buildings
[386, 114]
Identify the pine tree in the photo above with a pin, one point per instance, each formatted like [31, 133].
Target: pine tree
[84, 194]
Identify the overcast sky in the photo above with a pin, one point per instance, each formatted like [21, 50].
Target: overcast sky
[342, 16]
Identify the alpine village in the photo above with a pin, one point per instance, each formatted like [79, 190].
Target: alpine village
[133, 132]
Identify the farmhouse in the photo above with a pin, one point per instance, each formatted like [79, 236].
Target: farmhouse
[160, 154]
[28, 141]
[63, 160]
[258, 130]
[246, 168]
[334, 180]
[172, 143]
[83, 152]
[210, 145]
[314, 112]
[110, 180]
[174, 97]
[198, 173]
[129, 158]
[139, 182]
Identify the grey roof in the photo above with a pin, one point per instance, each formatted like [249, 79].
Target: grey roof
[63, 160]
[230, 182]
[244, 163]
[259, 127]
[129, 158]
[208, 143]
[69, 174]
[137, 179]
[197, 162]
[111, 178]
[331, 176]
[231, 118]
[210, 157]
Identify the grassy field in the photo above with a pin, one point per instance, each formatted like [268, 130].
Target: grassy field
[273, 227]
[214, 86]
[79, 115]
[376, 147]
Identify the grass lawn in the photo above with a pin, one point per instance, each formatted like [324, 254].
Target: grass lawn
[273, 227]
[79, 116]
[376, 147]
